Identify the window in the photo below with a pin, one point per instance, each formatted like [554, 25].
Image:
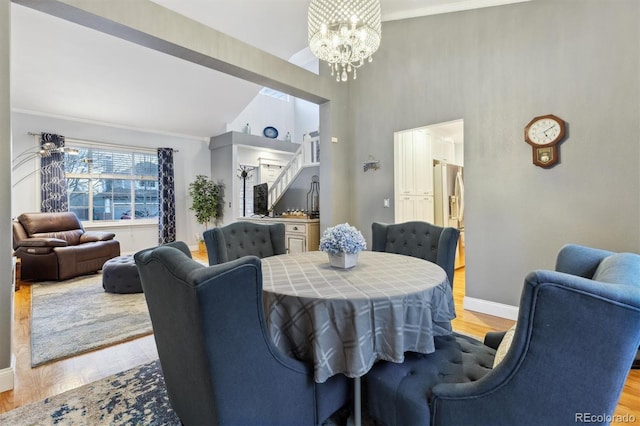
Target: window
[107, 183]
[274, 94]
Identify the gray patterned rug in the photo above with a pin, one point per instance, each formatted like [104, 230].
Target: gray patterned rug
[76, 316]
[133, 397]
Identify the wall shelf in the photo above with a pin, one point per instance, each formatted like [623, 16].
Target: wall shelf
[245, 139]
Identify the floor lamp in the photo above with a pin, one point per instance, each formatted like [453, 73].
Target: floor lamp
[45, 150]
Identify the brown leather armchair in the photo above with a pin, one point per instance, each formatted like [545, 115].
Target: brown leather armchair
[55, 246]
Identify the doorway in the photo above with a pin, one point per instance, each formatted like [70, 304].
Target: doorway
[429, 177]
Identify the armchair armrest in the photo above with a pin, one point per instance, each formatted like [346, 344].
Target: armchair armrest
[543, 354]
[579, 260]
[41, 242]
[93, 236]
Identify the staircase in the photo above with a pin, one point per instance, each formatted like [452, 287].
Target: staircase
[308, 155]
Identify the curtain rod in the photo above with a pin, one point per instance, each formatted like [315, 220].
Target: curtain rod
[100, 143]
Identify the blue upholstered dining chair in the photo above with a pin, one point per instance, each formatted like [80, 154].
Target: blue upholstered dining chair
[244, 238]
[219, 363]
[577, 334]
[418, 239]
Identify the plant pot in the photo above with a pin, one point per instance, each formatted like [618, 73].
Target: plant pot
[343, 260]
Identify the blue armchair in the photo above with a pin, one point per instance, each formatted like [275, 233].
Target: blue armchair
[219, 363]
[244, 238]
[577, 334]
[418, 239]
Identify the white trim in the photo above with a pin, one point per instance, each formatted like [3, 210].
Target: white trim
[84, 143]
[6, 376]
[114, 125]
[491, 308]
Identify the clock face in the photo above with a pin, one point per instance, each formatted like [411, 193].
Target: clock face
[544, 131]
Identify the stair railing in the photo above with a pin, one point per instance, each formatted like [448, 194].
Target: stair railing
[307, 154]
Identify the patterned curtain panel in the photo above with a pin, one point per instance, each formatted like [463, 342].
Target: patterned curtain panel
[52, 178]
[166, 197]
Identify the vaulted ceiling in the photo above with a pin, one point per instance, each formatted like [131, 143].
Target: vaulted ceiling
[63, 69]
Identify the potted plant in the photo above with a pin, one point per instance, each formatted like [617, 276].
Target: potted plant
[342, 243]
[208, 202]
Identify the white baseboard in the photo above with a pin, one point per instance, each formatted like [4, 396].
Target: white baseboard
[6, 376]
[491, 308]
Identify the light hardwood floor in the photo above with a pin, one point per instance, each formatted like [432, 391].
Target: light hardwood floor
[34, 384]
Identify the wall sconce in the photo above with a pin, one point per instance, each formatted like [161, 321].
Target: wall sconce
[371, 164]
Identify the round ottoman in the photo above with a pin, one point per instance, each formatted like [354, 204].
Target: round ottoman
[120, 275]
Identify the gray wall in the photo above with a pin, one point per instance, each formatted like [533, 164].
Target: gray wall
[336, 177]
[223, 171]
[497, 68]
[296, 196]
[6, 290]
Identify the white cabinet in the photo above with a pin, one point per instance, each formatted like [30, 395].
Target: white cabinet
[413, 164]
[422, 164]
[404, 164]
[413, 174]
[404, 208]
[414, 207]
[443, 149]
[296, 244]
[423, 209]
[298, 238]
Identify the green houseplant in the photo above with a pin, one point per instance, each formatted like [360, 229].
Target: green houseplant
[208, 201]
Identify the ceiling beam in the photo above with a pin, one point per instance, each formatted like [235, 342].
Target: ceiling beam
[151, 25]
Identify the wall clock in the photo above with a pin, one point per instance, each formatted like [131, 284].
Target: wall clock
[544, 133]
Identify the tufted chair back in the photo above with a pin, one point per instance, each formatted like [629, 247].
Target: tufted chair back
[218, 360]
[561, 364]
[418, 239]
[243, 238]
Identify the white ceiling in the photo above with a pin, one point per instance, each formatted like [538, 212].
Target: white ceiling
[63, 69]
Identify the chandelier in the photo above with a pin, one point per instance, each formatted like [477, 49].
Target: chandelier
[344, 33]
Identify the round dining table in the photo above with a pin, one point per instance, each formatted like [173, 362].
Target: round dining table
[344, 320]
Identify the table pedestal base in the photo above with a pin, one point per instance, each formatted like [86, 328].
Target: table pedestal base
[357, 402]
[355, 419]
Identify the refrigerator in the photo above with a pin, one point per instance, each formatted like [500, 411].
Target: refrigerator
[448, 191]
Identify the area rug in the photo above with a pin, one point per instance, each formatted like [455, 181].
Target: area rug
[134, 397]
[76, 316]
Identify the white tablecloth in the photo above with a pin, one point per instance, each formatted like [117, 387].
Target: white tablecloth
[345, 320]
